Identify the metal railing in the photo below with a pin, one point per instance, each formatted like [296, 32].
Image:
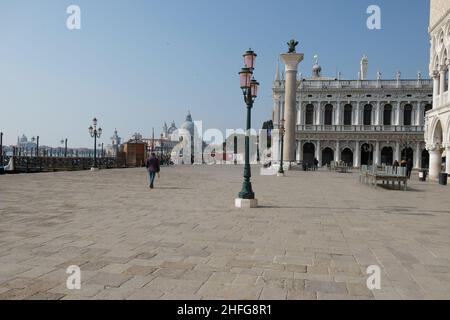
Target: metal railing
[46, 164]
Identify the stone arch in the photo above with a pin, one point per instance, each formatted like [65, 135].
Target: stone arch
[367, 152]
[440, 40]
[436, 137]
[327, 156]
[347, 155]
[443, 57]
[309, 152]
[446, 132]
[387, 155]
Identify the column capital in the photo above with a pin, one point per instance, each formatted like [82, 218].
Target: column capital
[443, 68]
[291, 60]
[435, 74]
[434, 148]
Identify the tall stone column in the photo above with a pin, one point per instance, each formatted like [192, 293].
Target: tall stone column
[435, 75]
[442, 84]
[397, 154]
[337, 153]
[276, 146]
[447, 160]
[418, 156]
[376, 158]
[319, 153]
[435, 163]
[299, 151]
[291, 61]
[356, 155]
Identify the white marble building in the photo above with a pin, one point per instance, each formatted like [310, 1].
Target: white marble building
[356, 121]
[437, 128]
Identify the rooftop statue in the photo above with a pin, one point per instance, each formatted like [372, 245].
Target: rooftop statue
[292, 44]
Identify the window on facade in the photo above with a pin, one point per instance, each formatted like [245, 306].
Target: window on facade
[428, 107]
[367, 114]
[446, 81]
[348, 110]
[328, 115]
[407, 115]
[387, 115]
[309, 118]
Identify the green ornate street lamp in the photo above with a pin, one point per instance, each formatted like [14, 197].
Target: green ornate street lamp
[249, 88]
[96, 134]
[282, 130]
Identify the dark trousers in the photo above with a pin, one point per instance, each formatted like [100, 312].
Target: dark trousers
[151, 177]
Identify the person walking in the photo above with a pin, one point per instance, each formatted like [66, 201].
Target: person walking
[316, 164]
[396, 165]
[409, 167]
[152, 165]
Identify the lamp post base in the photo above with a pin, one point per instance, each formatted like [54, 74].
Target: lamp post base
[246, 203]
[280, 174]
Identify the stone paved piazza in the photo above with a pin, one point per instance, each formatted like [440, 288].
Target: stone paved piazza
[313, 237]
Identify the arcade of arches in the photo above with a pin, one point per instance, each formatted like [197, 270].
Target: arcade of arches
[368, 153]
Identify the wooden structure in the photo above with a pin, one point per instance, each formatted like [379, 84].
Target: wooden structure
[135, 153]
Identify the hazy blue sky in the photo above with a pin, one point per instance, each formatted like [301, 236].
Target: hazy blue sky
[137, 63]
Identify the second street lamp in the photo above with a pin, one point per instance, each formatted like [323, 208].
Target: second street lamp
[249, 86]
[64, 142]
[96, 134]
[281, 170]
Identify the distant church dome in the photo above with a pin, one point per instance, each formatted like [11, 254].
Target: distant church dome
[172, 128]
[188, 124]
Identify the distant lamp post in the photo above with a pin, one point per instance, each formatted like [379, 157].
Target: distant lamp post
[282, 130]
[37, 144]
[161, 145]
[96, 134]
[64, 142]
[1, 148]
[249, 88]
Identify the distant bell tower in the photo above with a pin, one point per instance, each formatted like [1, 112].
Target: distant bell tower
[364, 67]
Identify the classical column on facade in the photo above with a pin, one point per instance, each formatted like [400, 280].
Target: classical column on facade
[447, 67]
[356, 155]
[417, 157]
[435, 161]
[337, 153]
[318, 109]
[442, 71]
[291, 61]
[337, 114]
[276, 146]
[397, 114]
[356, 114]
[276, 111]
[319, 153]
[300, 115]
[447, 159]
[435, 75]
[299, 151]
[397, 154]
[376, 155]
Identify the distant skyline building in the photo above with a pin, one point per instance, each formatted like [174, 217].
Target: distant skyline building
[358, 122]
